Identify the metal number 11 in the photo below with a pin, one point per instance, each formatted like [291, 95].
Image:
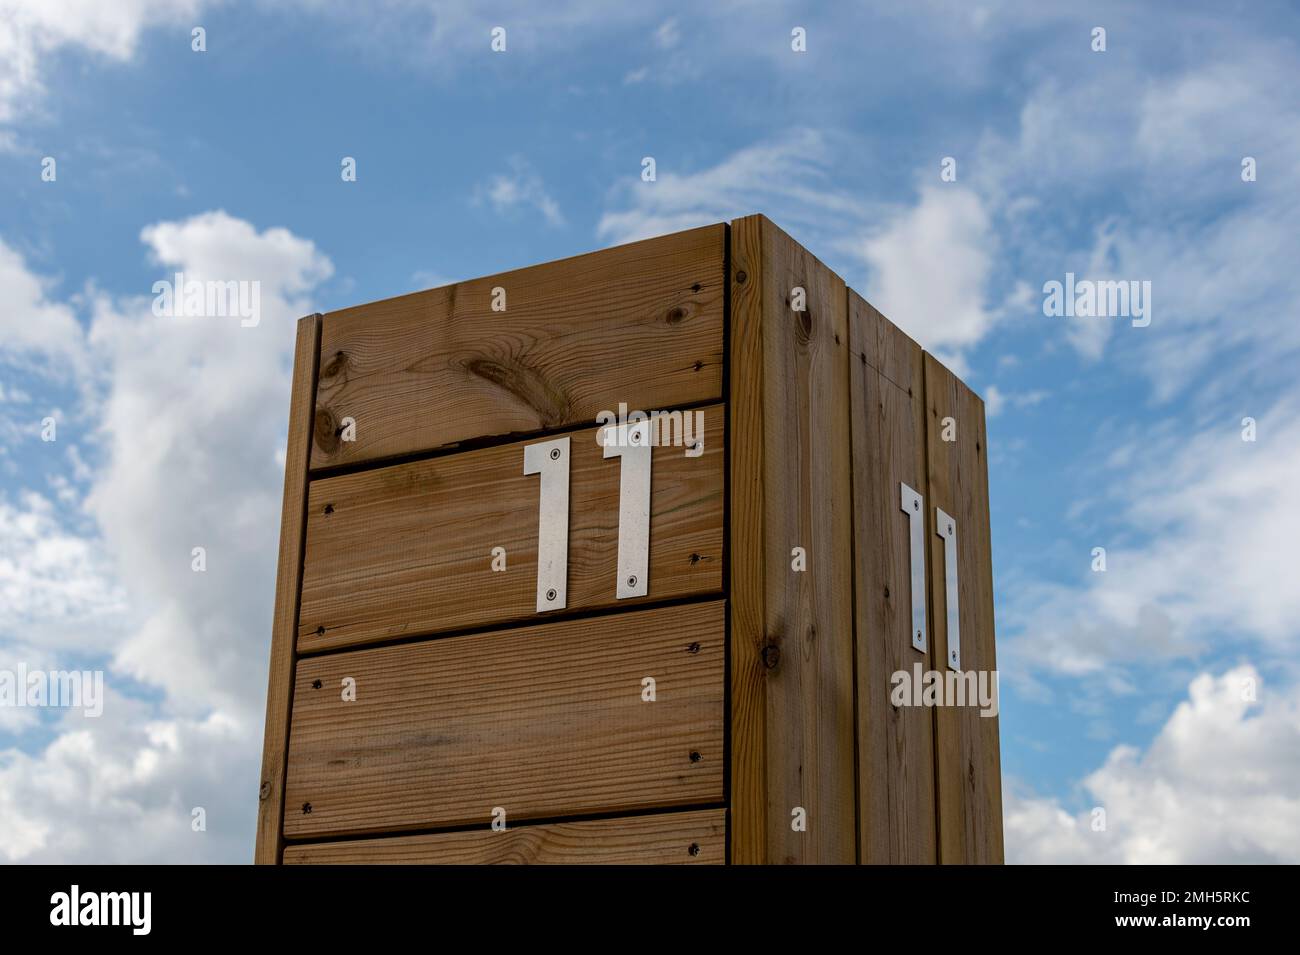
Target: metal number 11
[913, 505]
[550, 459]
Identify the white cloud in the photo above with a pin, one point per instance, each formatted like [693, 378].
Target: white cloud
[996, 400]
[1216, 295]
[929, 263]
[191, 431]
[32, 327]
[55, 586]
[930, 266]
[1217, 522]
[1218, 784]
[191, 422]
[668, 35]
[32, 30]
[1166, 205]
[521, 187]
[784, 178]
[122, 789]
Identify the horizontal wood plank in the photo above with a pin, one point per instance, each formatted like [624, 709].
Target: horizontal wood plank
[540, 721]
[640, 323]
[408, 550]
[673, 838]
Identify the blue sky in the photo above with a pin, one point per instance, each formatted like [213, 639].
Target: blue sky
[1127, 690]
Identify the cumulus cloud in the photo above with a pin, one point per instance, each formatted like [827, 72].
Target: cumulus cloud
[33, 328]
[190, 429]
[930, 266]
[1216, 785]
[123, 789]
[193, 416]
[52, 579]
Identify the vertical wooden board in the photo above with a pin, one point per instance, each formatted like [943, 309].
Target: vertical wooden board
[800, 665]
[639, 323]
[968, 764]
[748, 717]
[279, 696]
[545, 722]
[670, 838]
[895, 743]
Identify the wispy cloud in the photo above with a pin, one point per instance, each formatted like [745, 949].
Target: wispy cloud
[1206, 549]
[31, 31]
[522, 187]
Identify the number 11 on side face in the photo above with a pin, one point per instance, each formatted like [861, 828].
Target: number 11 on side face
[550, 459]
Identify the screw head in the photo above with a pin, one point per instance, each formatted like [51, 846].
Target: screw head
[694, 849]
[555, 454]
[949, 528]
[631, 581]
[916, 505]
[551, 594]
[695, 756]
[693, 648]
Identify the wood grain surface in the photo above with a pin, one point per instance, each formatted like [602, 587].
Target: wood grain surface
[542, 721]
[407, 550]
[640, 323]
[968, 762]
[895, 744]
[792, 680]
[696, 837]
[270, 810]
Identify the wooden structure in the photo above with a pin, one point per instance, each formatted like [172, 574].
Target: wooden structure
[482, 653]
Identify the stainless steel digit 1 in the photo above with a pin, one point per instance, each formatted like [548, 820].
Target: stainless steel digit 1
[550, 459]
[631, 442]
[946, 528]
[913, 506]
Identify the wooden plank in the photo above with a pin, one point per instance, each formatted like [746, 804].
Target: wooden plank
[792, 648]
[542, 721]
[895, 744]
[672, 838]
[288, 577]
[640, 323]
[407, 550]
[968, 764]
[747, 600]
